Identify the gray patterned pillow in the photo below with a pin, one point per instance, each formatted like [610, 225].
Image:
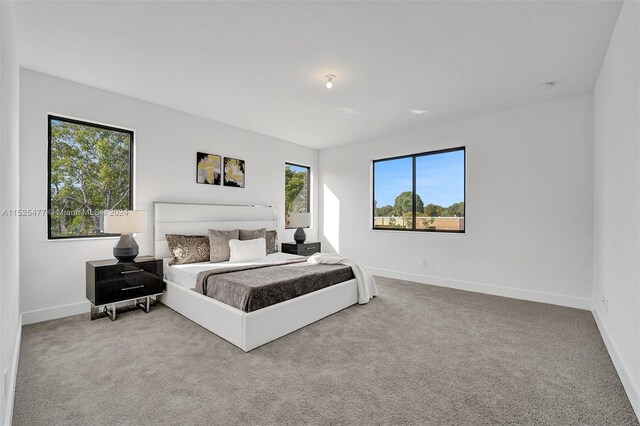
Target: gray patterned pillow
[188, 248]
[253, 234]
[219, 244]
[272, 242]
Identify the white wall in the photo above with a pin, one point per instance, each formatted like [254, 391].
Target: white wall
[529, 217]
[9, 197]
[617, 199]
[166, 142]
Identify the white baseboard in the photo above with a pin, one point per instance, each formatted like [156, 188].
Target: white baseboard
[514, 293]
[11, 389]
[56, 312]
[630, 386]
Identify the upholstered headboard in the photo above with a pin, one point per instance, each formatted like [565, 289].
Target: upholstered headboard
[197, 219]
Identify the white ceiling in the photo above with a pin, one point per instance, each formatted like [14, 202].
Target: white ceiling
[261, 66]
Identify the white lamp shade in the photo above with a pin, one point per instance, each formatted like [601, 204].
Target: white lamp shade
[297, 220]
[125, 221]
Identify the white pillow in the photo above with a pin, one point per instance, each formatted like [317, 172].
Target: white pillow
[247, 250]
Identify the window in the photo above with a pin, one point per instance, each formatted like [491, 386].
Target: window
[90, 170]
[420, 192]
[297, 190]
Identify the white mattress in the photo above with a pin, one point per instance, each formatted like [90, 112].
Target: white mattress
[185, 275]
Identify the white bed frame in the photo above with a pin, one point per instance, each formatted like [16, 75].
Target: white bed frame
[245, 330]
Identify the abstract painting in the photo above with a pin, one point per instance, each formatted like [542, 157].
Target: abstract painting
[208, 169]
[233, 172]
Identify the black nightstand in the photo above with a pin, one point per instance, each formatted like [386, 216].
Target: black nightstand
[110, 282]
[304, 249]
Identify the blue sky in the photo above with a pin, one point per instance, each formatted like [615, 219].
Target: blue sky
[297, 168]
[439, 179]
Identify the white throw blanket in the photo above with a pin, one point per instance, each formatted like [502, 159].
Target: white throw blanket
[366, 284]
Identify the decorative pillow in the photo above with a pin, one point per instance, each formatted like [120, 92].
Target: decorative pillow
[188, 248]
[252, 234]
[219, 244]
[272, 242]
[247, 250]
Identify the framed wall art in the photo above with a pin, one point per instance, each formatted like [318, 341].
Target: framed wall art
[208, 168]
[234, 173]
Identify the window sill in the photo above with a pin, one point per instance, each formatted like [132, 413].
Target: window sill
[417, 231]
[55, 240]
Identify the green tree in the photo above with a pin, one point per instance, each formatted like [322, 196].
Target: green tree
[455, 210]
[384, 211]
[90, 172]
[404, 203]
[433, 210]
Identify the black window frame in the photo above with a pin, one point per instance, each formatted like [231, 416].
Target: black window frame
[52, 117]
[289, 163]
[413, 190]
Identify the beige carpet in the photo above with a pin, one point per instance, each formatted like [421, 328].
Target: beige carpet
[415, 355]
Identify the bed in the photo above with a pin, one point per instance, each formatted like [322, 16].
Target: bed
[246, 330]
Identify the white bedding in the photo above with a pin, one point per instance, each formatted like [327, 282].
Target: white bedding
[367, 287]
[185, 275]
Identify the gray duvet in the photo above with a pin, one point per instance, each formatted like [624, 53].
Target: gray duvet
[255, 287]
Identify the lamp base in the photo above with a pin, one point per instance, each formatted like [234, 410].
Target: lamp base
[299, 237]
[126, 249]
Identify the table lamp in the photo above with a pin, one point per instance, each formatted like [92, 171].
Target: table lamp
[125, 223]
[299, 220]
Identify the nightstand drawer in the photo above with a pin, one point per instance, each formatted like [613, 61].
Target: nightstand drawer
[128, 284]
[120, 270]
[304, 249]
[308, 248]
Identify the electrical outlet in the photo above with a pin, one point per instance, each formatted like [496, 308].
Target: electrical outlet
[423, 263]
[605, 304]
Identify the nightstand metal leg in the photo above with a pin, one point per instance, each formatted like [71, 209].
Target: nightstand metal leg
[95, 313]
[111, 313]
[145, 305]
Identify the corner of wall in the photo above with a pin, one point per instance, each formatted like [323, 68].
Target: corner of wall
[10, 321]
[11, 388]
[628, 382]
[616, 155]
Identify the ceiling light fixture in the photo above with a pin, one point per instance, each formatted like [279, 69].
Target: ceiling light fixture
[418, 111]
[330, 78]
[547, 85]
